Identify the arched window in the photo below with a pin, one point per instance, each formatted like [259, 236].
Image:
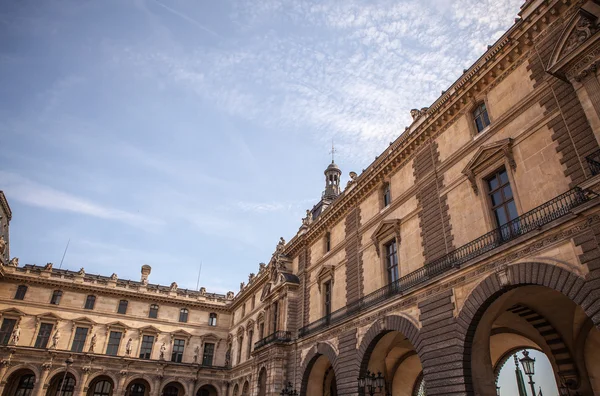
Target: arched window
[90, 302]
[480, 117]
[56, 296]
[102, 388]
[153, 311]
[183, 315]
[170, 391]
[246, 389]
[137, 390]
[25, 387]
[21, 291]
[212, 319]
[68, 388]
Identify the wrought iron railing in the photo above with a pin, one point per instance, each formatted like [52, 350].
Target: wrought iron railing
[593, 161]
[530, 221]
[278, 336]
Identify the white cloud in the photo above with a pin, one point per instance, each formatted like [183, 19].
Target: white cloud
[31, 193]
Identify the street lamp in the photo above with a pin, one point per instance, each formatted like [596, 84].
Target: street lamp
[370, 382]
[566, 385]
[68, 362]
[529, 368]
[289, 390]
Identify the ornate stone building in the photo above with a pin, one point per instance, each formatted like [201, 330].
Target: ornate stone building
[474, 234]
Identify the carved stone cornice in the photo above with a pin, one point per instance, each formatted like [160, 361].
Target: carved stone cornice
[385, 228]
[487, 155]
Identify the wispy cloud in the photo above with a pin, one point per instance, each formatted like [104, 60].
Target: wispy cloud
[187, 18]
[31, 193]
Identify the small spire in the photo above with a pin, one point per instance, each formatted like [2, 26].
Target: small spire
[332, 152]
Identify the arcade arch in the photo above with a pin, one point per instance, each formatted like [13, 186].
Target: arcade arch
[319, 369]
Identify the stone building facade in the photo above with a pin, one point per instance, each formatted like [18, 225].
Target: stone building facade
[474, 234]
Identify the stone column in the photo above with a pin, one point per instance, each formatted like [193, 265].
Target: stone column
[85, 372]
[590, 81]
[121, 385]
[38, 389]
[156, 391]
[3, 367]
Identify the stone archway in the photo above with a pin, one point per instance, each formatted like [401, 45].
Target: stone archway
[319, 368]
[173, 388]
[389, 348]
[262, 382]
[56, 386]
[207, 390]
[21, 380]
[101, 385]
[537, 306]
[138, 387]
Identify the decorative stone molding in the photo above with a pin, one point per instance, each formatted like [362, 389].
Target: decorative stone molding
[327, 272]
[385, 228]
[487, 155]
[503, 275]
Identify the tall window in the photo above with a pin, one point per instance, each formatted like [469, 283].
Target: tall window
[250, 336]
[68, 389]
[153, 313]
[170, 391]
[114, 340]
[122, 309]
[137, 390]
[25, 387]
[177, 354]
[261, 330]
[212, 319]
[207, 356]
[327, 242]
[102, 388]
[183, 315]
[56, 296]
[43, 335]
[8, 325]
[243, 309]
[391, 260]
[79, 339]
[146, 349]
[275, 315]
[90, 301]
[253, 302]
[387, 197]
[481, 118]
[20, 294]
[240, 347]
[327, 297]
[501, 198]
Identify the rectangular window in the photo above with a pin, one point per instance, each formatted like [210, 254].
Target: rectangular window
[56, 296]
[327, 242]
[43, 335]
[114, 340]
[391, 260]
[253, 302]
[240, 346]
[146, 349]
[123, 307]
[275, 316]
[481, 117]
[207, 357]
[8, 325]
[212, 319]
[261, 331]
[177, 354]
[79, 339]
[249, 351]
[21, 291]
[387, 197]
[327, 297]
[502, 202]
[90, 301]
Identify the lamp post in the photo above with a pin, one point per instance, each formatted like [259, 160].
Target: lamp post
[289, 390]
[68, 362]
[371, 382]
[529, 369]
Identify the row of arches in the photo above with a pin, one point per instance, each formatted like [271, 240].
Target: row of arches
[21, 382]
[244, 388]
[494, 323]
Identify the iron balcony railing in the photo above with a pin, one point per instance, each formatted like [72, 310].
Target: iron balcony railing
[530, 221]
[593, 161]
[278, 336]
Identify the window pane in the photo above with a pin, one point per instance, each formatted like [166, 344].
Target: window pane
[207, 358]
[90, 302]
[79, 339]
[512, 210]
[479, 124]
[493, 183]
[43, 335]
[20, 294]
[146, 348]
[6, 330]
[507, 191]
[503, 177]
[123, 307]
[114, 340]
[56, 295]
[500, 216]
[496, 198]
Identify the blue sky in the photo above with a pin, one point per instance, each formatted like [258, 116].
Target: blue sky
[180, 132]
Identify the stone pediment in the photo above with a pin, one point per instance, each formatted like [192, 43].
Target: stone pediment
[487, 155]
[11, 312]
[327, 271]
[84, 320]
[385, 228]
[149, 329]
[117, 325]
[48, 317]
[181, 333]
[578, 41]
[265, 291]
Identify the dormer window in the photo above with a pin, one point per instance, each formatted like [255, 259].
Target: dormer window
[183, 315]
[21, 291]
[153, 313]
[56, 296]
[212, 319]
[481, 117]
